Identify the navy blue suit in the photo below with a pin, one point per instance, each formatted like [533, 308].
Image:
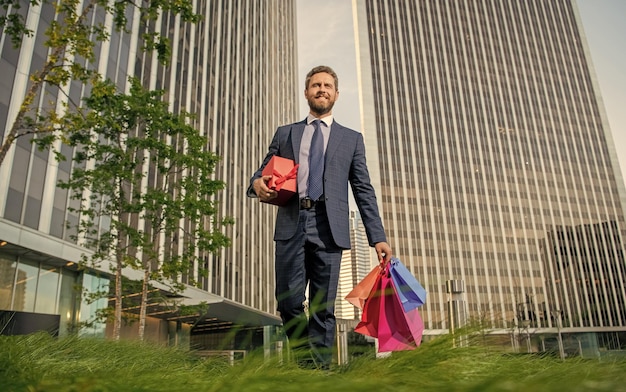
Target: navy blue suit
[309, 242]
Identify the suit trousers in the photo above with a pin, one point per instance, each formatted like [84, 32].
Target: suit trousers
[310, 256]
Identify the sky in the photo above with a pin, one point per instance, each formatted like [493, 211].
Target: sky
[326, 36]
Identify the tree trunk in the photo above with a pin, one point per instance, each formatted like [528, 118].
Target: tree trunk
[144, 301]
[119, 260]
[117, 321]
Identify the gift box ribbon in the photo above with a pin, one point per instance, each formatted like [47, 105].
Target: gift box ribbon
[280, 179]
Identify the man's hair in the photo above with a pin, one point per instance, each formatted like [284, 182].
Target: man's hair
[318, 69]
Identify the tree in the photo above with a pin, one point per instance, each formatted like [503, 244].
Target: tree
[148, 173]
[71, 39]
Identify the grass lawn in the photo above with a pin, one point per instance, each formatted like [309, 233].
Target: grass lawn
[41, 363]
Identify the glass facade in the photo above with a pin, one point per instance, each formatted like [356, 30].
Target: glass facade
[88, 310]
[495, 164]
[27, 284]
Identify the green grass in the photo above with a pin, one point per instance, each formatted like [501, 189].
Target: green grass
[41, 363]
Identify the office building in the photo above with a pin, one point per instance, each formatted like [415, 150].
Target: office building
[495, 162]
[236, 71]
[355, 264]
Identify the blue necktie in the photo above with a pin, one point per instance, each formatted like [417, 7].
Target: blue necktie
[315, 184]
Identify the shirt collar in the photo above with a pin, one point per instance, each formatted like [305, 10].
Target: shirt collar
[326, 120]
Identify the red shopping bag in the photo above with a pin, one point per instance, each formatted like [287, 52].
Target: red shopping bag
[362, 290]
[371, 310]
[384, 318]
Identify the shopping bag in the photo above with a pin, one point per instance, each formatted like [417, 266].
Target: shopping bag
[397, 329]
[371, 310]
[410, 291]
[384, 318]
[362, 290]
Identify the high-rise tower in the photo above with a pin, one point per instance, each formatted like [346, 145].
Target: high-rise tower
[495, 161]
[355, 264]
[235, 70]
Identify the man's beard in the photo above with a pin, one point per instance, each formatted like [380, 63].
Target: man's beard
[321, 108]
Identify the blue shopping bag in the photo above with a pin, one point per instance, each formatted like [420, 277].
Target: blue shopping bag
[409, 290]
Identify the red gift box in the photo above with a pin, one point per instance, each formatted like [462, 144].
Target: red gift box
[284, 179]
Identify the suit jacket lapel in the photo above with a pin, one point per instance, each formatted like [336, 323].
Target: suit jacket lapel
[336, 133]
[296, 138]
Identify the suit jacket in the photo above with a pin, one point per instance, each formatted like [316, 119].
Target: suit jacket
[344, 163]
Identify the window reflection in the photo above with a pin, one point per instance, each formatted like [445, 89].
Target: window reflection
[7, 277]
[68, 297]
[25, 287]
[47, 290]
[32, 286]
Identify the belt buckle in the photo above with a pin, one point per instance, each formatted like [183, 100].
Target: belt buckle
[307, 203]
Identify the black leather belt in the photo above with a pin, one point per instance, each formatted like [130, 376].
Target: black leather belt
[307, 203]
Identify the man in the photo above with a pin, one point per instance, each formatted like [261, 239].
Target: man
[312, 229]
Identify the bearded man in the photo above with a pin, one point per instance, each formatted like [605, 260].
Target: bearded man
[313, 229]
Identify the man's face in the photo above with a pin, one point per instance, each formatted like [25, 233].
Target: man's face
[321, 93]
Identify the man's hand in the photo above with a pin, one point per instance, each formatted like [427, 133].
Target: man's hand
[383, 250]
[262, 191]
